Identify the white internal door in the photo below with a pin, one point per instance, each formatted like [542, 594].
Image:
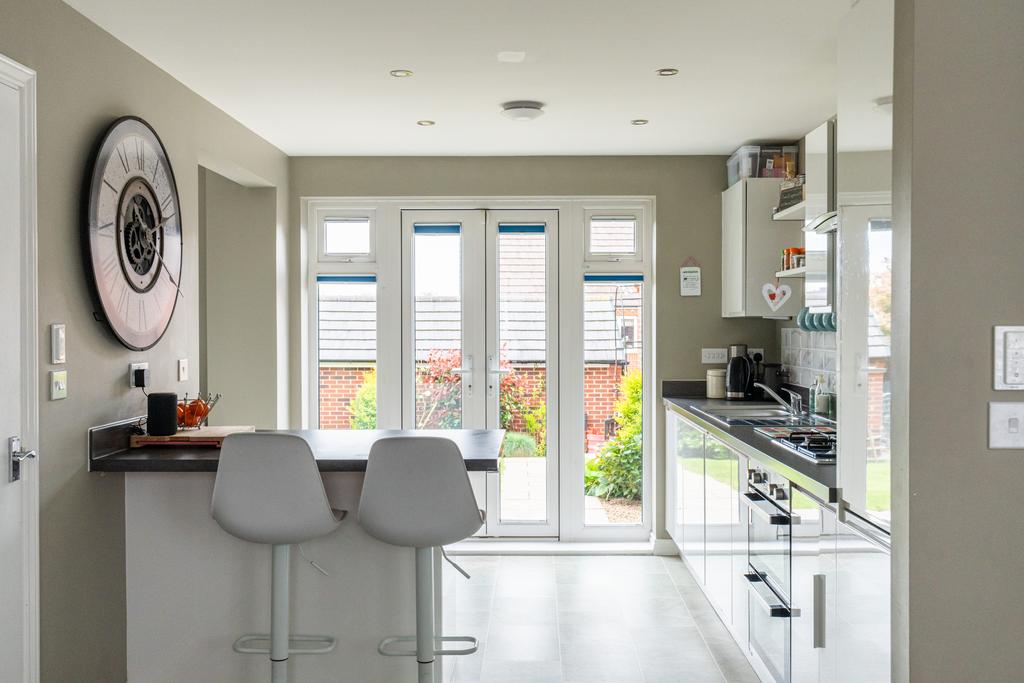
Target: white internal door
[480, 347]
[18, 498]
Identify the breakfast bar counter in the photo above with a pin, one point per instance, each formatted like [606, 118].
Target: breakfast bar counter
[335, 450]
[182, 568]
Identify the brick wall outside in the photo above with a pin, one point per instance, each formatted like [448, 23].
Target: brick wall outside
[339, 384]
[878, 445]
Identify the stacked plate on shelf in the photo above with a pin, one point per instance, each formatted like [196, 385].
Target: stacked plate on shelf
[816, 322]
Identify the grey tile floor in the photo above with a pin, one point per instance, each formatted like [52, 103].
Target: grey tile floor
[609, 619]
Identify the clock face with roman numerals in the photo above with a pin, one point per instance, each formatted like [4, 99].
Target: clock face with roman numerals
[133, 233]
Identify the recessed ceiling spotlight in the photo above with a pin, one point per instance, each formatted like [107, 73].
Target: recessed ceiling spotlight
[523, 110]
[400, 73]
[426, 123]
[669, 71]
[639, 122]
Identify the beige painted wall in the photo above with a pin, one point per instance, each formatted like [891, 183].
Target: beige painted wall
[239, 350]
[688, 224]
[958, 547]
[86, 79]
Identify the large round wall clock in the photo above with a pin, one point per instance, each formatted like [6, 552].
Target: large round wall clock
[133, 233]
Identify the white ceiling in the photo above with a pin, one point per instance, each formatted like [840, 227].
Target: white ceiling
[311, 76]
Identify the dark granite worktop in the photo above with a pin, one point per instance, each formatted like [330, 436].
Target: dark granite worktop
[817, 479]
[335, 450]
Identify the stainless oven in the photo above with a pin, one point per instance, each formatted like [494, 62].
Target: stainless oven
[769, 534]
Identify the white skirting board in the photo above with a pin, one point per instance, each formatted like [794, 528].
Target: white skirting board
[192, 590]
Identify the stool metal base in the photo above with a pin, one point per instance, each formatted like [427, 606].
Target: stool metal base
[318, 645]
[386, 649]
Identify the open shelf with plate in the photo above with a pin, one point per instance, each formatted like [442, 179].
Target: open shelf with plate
[796, 212]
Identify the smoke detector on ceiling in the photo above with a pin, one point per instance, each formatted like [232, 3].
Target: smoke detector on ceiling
[523, 110]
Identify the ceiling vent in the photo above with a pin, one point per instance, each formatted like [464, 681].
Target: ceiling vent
[523, 110]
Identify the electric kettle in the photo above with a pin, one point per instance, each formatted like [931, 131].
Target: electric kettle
[739, 373]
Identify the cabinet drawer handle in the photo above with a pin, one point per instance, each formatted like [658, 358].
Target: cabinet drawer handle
[760, 506]
[766, 597]
[820, 611]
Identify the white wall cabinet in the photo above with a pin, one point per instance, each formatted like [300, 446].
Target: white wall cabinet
[752, 245]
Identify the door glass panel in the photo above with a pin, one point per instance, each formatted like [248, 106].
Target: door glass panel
[522, 368]
[865, 409]
[347, 236]
[613, 399]
[437, 279]
[347, 345]
[879, 389]
[613, 235]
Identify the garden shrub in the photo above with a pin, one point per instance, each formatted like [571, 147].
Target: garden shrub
[617, 471]
[363, 406]
[519, 445]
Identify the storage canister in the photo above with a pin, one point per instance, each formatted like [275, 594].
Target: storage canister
[716, 384]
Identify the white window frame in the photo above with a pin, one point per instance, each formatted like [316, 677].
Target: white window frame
[315, 263]
[329, 213]
[573, 262]
[613, 211]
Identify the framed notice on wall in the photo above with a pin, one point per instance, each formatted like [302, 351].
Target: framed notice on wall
[689, 281]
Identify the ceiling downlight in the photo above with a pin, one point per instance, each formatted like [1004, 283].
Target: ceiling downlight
[400, 73]
[639, 122]
[426, 123]
[667, 71]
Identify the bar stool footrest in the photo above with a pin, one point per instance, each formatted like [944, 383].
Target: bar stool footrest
[306, 645]
[388, 649]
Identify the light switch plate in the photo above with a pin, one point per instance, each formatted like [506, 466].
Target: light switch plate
[58, 344]
[183, 369]
[58, 384]
[710, 356]
[1008, 358]
[1005, 425]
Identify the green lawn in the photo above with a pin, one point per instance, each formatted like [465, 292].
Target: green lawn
[719, 470]
[879, 490]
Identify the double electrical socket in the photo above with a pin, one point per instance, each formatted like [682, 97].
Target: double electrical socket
[721, 356]
[714, 356]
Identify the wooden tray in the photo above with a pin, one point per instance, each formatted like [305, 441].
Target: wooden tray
[204, 436]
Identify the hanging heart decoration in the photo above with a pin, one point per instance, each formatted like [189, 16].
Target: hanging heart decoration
[776, 295]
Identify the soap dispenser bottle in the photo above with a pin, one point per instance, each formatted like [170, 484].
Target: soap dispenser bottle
[812, 397]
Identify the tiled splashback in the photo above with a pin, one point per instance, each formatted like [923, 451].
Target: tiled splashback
[808, 355]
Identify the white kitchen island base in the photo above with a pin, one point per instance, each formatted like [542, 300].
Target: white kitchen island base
[192, 590]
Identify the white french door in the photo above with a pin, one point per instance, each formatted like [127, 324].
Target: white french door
[480, 347]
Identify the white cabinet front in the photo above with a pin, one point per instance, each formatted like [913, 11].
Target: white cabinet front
[690, 461]
[721, 510]
[863, 649]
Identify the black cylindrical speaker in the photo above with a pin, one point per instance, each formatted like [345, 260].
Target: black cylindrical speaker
[162, 419]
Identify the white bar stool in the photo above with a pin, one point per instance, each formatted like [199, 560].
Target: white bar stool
[417, 494]
[269, 490]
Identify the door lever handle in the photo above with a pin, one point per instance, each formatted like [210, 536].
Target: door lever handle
[17, 455]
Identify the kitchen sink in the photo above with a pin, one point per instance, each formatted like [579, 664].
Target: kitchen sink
[749, 412]
[757, 416]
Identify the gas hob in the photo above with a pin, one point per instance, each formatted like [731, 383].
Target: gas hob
[817, 444]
